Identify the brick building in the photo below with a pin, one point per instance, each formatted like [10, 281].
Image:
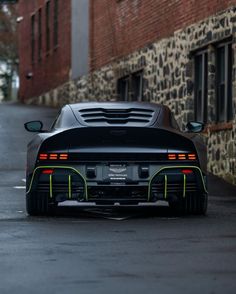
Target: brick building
[178, 52]
[49, 55]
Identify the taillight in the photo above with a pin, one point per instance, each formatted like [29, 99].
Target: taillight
[182, 156]
[47, 171]
[187, 171]
[53, 156]
[172, 156]
[192, 156]
[43, 156]
[63, 156]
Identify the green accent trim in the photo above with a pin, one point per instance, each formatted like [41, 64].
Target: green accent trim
[173, 167]
[69, 185]
[50, 180]
[184, 190]
[165, 193]
[62, 167]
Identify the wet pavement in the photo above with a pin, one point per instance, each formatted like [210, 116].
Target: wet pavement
[107, 251]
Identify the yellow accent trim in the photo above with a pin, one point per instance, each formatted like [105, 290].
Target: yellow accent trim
[69, 184]
[165, 194]
[50, 180]
[184, 190]
[173, 167]
[65, 167]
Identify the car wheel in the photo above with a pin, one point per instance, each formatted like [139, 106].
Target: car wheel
[37, 204]
[191, 204]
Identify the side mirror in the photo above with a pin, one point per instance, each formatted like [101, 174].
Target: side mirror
[34, 126]
[195, 127]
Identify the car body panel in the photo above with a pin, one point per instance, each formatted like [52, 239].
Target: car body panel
[116, 152]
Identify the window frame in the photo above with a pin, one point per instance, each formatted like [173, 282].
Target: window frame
[55, 23]
[39, 34]
[123, 87]
[139, 92]
[227, 115]
[203, 116]
[33, 33]
[47, 25]
[129, 87]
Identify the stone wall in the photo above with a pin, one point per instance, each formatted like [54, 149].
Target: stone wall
[168, 72]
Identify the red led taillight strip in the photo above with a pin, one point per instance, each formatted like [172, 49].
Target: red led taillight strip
[182, 156]
[172, 156]
[47, 171]
[192, 156]
[43, 156]
[187, 171]
[53, 156]
[63, 156]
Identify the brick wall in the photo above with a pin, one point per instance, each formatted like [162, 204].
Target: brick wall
[119, 27]
[54, 66]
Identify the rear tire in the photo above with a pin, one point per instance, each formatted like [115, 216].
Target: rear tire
[191, 204]
[37, 204]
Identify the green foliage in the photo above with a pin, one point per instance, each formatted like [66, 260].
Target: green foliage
[8, 34]
[4, 86]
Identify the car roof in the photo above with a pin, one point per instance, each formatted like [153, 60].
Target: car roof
[120, 113]
[115, 104]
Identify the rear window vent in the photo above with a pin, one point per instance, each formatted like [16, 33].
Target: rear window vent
[93, 116]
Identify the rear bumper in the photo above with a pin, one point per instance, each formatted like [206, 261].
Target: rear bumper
[165, 183]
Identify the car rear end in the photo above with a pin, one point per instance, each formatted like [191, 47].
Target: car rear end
[118, 165]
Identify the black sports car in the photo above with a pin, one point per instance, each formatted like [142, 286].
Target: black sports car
[116, 154]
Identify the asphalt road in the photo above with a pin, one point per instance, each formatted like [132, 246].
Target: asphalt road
[107, 251]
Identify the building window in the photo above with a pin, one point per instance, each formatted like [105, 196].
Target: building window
[201, 86]
[55, 31]
[32, 38]
[48, 26]
[130, 88]
[40, 34]
[224, 107]
[123, 88]
[137, 86]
